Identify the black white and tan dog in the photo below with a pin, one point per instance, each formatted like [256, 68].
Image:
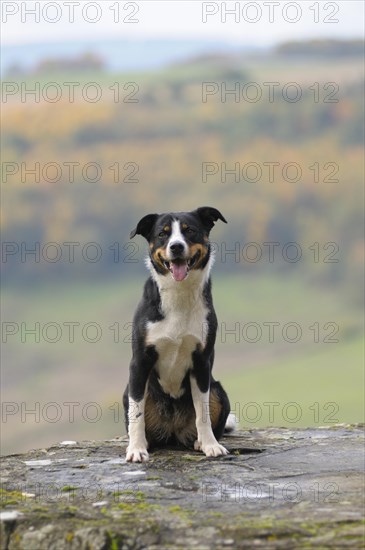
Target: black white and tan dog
[172, 397]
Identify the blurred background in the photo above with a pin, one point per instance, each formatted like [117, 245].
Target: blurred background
[130, 108]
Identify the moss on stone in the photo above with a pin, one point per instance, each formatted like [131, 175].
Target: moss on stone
[69, 489]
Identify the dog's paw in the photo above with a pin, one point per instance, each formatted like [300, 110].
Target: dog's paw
[210, 449]
[214, 449]
[136, 454]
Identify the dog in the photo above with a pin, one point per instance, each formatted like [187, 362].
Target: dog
[171, 397]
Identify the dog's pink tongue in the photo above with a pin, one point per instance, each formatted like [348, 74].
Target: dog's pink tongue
[179, 270]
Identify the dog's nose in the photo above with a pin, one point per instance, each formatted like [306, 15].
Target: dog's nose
[177, 248]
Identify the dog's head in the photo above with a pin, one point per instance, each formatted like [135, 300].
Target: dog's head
[179, 241]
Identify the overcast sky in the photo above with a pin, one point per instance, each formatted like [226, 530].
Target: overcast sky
[258, 23]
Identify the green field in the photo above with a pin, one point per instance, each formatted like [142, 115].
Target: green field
[314, 380]
[319, 388]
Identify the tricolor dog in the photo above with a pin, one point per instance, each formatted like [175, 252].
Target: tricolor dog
[172, 397]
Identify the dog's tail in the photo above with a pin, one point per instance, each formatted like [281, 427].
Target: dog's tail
[231, 423]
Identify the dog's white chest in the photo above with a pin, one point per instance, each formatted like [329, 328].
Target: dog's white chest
[177, 336]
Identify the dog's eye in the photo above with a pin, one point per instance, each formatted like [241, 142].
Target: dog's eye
[189, 231]
[162, 234]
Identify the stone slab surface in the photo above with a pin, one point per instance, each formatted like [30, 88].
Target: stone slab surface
[278, 488]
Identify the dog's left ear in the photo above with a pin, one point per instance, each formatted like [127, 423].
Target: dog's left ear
[144, 226]
[209, 215]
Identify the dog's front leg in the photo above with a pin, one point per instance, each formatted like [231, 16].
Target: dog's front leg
[137, 448]
[139, 372]
[206, 440]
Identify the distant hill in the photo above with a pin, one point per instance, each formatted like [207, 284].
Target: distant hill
[87, 62]
[117, 55]
[328, 48]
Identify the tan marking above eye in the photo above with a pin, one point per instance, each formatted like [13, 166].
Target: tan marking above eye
[184, 226]
[166, 228]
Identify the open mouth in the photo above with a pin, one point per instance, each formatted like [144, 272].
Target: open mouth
[179, 268]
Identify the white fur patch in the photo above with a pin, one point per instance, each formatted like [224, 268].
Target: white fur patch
[184, 326]
[137, 448]
[177, 237]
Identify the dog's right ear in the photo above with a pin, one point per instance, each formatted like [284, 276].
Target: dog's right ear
[144, 226]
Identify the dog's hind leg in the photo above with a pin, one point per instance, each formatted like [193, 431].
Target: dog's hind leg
[219, 408]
